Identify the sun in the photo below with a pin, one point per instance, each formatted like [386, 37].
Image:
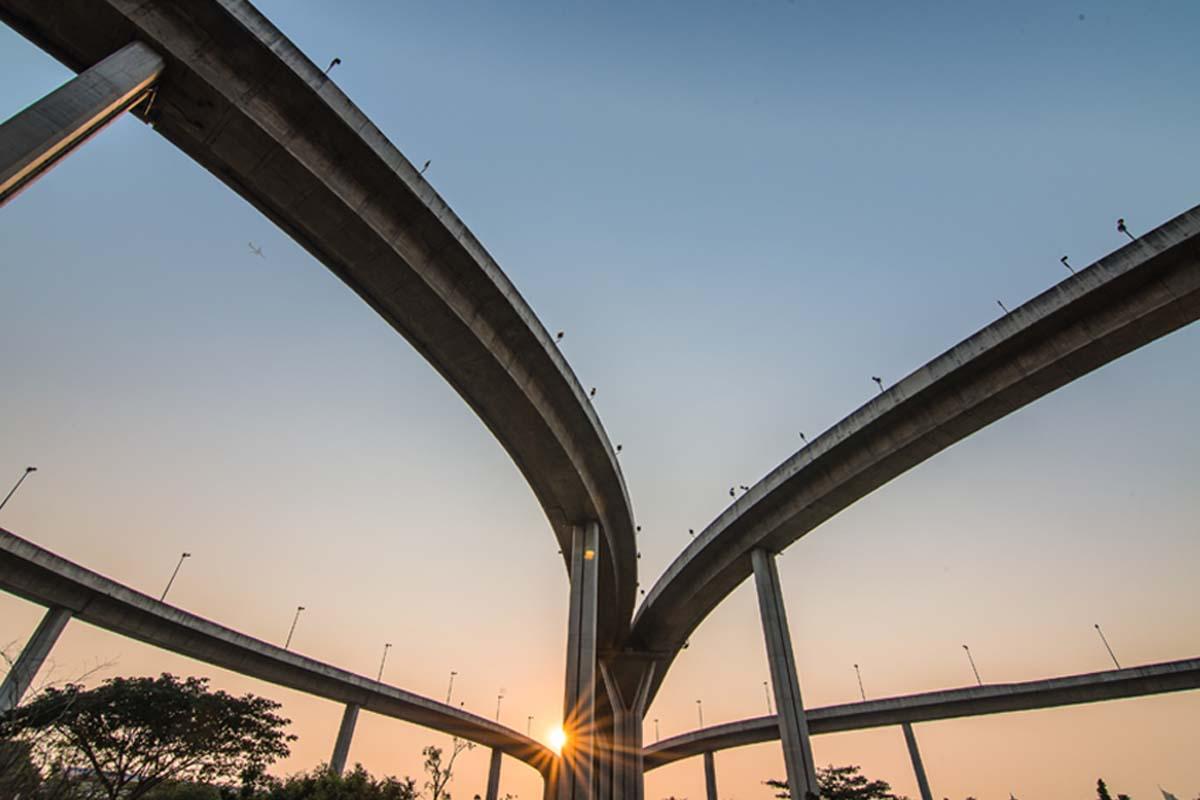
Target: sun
[557, 738]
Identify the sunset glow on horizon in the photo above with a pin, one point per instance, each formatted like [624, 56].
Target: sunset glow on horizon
[739, 215]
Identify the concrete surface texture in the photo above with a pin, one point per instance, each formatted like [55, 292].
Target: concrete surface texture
[239, 98]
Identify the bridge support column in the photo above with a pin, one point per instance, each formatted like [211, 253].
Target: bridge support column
[628, 761]
[35, 139]
[914, 753]
[341, 747]
[710, 776]
[493, 784]
[576, 774]
[793, 726]
[26, 667]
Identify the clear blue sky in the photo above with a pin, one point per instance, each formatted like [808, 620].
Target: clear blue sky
[738, 212]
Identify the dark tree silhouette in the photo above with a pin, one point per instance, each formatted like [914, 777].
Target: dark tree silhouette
[842, 783]
[129, 735]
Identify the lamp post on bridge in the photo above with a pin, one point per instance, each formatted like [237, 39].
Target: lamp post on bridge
[700, 712]
[17, 485]
[973, 669]
[295, 619]
[387, 646]
[1106, 647]
[450, 688]
[182, 556]
[862, 692]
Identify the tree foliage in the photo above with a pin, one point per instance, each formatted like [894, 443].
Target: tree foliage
[321, 784]
[130, 735]
[842, 783]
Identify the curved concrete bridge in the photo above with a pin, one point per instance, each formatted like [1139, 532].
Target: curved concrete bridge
[238, 97]
[73, 592]
[216, 79]
[1125, 300]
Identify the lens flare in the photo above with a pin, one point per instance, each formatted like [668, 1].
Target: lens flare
[558, 739]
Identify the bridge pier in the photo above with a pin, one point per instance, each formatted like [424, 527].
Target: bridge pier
[33, 140]
[710, 776]
[341, 747]
[26, 667]
[576, 773]
[914, 753]
[626, 753]
[793, 726]
[493, 784]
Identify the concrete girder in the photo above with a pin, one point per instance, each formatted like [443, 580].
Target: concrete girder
[35, 139]
[992, 698]
[1139, 293]
[22, 672]
[37, 575]
[244, 102]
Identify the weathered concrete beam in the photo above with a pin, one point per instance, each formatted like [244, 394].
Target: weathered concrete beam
[575, 779]
[42, 577]
[22, 672]
[345, 735]
[914, 753]
[34, 140]
[994, 698]
[793, 725]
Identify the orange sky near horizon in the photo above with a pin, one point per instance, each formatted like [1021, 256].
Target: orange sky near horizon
[733, 248]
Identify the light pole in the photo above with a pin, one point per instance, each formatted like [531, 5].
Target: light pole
[767, 693]
[499, 697]
[700, 712]
[295, 619]
[529, 725]
[387, 646]
[17, 485]
[656, 736]
[1106, 647]
[861, 691]
[450, 689]
[173, 574]
[973, 669]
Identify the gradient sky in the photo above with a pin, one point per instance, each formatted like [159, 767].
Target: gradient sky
[738, 212]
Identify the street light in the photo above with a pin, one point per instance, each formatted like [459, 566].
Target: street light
[173, 574]
[656, 736]
[499, 697]
[860, 686]
[767, 693]
[451, 687]
[17, 485]
[529, 725]
[1106, 647]
[387, 646]
[700, 712]
[295, 619]
[973, 669]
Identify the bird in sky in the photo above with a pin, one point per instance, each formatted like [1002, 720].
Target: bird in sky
[803, 438]
[592, 393]
[558, 336]
[732, 493]
[878, 382]
[744, 488]
[618, 448]
[427, 163]
[1065, 264]
[691, 531]
[255, 250]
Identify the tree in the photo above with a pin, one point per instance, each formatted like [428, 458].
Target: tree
[1102, 791]
[130, 735]
[321, 784]
[842, 783]
[441, 774]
